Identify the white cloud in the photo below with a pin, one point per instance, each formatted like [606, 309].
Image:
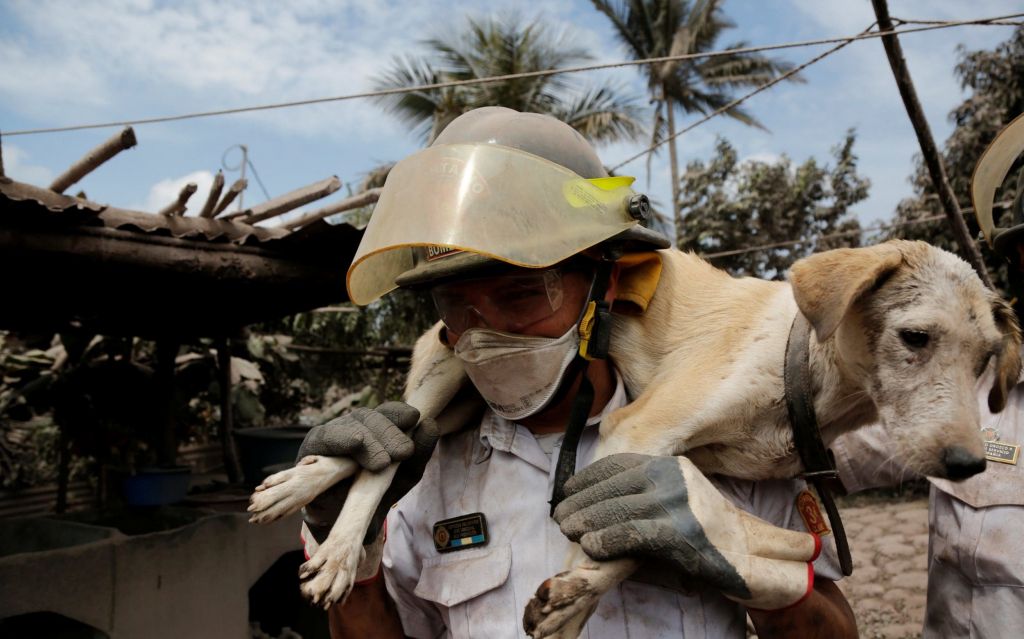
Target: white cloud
[124, 59]
[166, 191]
[154, 58]
[192, 56]
[16, 167]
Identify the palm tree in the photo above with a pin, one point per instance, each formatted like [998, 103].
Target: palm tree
[659, 28]
[503, 46]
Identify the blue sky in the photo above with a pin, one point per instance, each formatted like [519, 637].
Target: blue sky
[65, 63]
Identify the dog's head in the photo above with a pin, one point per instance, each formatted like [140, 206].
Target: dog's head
[917, 328]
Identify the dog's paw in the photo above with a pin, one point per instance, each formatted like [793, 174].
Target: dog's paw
[328, 576]
[560, 607]
[285, 492]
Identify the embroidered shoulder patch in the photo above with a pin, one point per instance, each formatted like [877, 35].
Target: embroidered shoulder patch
[810, 512]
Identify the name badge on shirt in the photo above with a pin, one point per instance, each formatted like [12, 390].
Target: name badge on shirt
[1002, 452]
[459, 533]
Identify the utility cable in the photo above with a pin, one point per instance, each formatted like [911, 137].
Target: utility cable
[1006, 23]
[765, 247]
[736, 102]
[257, 176]
[516, 76]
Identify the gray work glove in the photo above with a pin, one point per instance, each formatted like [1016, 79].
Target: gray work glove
[664, 509]
[374, 438]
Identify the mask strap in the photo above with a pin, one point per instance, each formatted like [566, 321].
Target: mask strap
[595, 330]
[595, 326]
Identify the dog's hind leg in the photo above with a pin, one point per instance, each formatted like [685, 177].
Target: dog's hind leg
[561, 606]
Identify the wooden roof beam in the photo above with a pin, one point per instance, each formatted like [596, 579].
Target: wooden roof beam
[94, 158]
[229, 197]
[177, 207]
[288, 201]
[361, 199]
[211, 199]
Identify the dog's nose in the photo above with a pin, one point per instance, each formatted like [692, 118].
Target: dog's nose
[961, 464]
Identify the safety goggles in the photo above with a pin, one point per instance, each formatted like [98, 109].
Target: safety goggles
[511, 302]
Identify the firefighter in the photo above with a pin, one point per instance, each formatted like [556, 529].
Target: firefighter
[524, 242]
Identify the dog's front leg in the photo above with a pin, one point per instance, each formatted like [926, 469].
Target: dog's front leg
[285, 492]
[329, 574]
[561, 606]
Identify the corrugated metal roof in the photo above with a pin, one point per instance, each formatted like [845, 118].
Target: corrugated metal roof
[74, 209]
[121, 270]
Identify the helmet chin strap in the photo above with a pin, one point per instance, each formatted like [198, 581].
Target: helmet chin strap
[595, 331]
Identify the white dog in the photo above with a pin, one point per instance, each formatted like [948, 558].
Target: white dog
[903, 331]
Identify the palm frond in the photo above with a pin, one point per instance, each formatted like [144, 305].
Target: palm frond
[620, 16]
[603, 115]
[498, 46]
[419, 108]
[743, 70]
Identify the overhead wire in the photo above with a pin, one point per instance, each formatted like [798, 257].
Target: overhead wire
[1007, 23]
[514, 76]
[861, 231]
[738, 101]
[257, 176]
[830, 236]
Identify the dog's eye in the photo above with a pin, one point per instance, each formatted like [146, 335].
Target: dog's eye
[914, 339]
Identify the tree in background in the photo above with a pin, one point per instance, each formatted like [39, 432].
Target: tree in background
[730, 206]
[995, 80]
[504, 46]
[659, 28]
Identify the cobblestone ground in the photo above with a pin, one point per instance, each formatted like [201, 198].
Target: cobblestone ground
[889, 543]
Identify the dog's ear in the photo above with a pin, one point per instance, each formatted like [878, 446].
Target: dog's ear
[1007, 364]
[827, 284]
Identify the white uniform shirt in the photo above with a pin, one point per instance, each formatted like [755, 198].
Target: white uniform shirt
[975, 563]
[499, 469]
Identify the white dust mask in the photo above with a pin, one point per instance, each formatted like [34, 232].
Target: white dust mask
[517, 375]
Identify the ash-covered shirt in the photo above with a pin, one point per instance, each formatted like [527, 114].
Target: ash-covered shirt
[499, 469]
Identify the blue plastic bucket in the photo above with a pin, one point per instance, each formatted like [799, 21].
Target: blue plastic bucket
[156, 486]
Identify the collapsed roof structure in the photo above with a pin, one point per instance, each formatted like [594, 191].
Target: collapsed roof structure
[74, 264]
[123, 272]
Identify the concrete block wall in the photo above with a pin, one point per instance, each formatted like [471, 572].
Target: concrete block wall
[191, 581]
